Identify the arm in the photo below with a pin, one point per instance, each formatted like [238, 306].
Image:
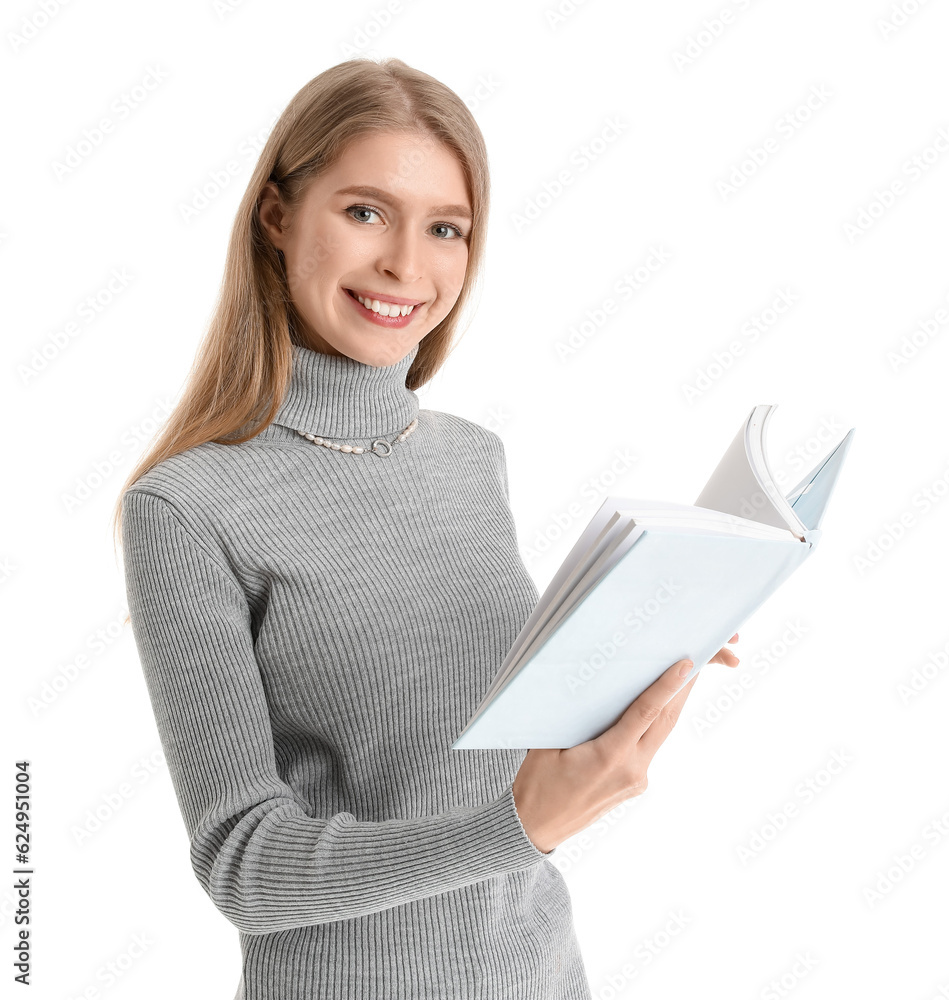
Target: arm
[265, 863]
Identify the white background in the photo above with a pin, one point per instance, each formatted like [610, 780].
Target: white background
[796, 914]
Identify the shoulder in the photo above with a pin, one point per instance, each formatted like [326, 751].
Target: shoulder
[191, 499]
[202, 487]
[188, 474]
[480, 451]
[460, 430]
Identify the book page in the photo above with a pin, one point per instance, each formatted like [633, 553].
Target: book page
[810, 497]
[742, 483]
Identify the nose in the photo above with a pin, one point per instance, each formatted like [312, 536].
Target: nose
[401, 255]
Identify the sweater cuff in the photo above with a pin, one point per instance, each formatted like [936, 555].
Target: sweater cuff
[521, 842]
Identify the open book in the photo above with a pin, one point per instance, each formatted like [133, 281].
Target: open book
[646, 584]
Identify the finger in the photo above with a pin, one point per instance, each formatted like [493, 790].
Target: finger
[642, 712]
[725, 656]
[657, 733]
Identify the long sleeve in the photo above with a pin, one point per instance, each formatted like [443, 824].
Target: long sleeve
[263, 860]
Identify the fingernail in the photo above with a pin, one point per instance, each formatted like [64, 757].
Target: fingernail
[685, 668]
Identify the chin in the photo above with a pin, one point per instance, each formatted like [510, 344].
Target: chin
[377, 355]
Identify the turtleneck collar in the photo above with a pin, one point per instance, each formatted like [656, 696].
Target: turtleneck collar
[336, 396]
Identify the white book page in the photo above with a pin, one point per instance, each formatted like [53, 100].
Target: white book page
[742, 483]
[704, 517]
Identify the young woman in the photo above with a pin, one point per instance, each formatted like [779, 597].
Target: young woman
[323, 580]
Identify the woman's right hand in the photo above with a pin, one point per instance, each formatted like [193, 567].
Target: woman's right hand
[559, 792]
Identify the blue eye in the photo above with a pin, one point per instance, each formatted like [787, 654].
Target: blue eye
[362, 208]
[447, 225]
[459, 235]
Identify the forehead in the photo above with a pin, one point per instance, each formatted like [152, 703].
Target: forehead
[411, 167]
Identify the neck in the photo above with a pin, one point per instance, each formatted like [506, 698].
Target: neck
[336, 396]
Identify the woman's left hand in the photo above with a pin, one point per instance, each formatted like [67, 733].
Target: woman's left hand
[725, 655]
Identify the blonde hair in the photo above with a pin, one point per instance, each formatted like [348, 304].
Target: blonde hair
[243, 367]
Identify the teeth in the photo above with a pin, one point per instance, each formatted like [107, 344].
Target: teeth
[384, 308]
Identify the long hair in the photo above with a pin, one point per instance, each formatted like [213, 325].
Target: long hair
[243, 367]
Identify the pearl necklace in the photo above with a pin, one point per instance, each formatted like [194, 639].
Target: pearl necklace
[386, 446]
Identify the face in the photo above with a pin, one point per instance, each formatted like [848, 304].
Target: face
[389, 222]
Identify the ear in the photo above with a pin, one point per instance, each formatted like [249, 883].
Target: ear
[272, 214]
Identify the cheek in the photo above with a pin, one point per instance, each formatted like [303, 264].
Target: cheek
[303, 266]
[319, 257]
[451, 276]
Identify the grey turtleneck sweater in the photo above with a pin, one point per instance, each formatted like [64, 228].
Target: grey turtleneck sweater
[315, 628]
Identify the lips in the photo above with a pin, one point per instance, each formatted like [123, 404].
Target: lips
[382, 297]
[401, 316]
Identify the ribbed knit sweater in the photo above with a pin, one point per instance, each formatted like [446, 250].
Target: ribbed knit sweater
[315, 628]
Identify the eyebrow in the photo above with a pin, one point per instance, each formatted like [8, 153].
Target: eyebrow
[372, 192]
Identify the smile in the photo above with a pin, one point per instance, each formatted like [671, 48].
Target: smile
[380, 312]
[381, 306]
